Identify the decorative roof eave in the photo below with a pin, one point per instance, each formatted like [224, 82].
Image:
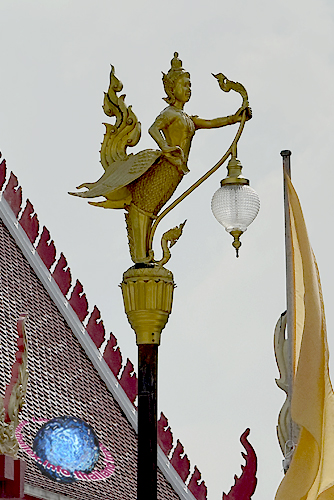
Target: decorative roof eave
[9, 214]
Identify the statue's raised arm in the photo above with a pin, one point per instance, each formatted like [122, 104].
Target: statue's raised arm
[143, 183]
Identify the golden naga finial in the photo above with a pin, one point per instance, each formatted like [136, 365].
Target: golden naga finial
[14, 398]
[142, 183]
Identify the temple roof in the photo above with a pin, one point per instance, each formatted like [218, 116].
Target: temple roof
[69, 374]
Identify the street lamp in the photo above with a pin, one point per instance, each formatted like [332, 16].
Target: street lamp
[235, 205]
[142, 184]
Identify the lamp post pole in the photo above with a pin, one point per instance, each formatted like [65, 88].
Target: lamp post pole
[148, 296]
[147, 422]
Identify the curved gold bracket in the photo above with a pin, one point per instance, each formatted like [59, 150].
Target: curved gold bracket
[171, 236]
[226, 85]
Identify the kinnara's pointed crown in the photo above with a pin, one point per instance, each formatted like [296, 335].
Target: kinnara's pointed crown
[171, 78]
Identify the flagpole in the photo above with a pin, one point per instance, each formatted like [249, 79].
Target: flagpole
[293, 428]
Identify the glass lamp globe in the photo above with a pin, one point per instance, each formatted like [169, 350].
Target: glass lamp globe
[235, 206]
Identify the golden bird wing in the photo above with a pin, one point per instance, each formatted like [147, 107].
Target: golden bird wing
[119, 175]
[120, 169]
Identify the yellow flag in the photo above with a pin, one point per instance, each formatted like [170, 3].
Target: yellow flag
[311, 472]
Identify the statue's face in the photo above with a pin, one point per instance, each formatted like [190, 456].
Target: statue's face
[182, 89]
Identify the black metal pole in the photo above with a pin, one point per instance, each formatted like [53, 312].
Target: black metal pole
[147, 422]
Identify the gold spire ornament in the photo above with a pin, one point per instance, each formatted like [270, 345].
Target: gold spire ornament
[142, 183]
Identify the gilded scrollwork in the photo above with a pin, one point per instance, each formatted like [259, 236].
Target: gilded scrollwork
[169, 238]
[126, 130]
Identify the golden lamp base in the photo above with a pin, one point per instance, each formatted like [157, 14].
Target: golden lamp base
[148, 296]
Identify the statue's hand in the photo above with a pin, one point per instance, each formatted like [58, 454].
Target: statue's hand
[174, 152]
[175, 155]
[173, 149]
[239, 113]
[249, 113]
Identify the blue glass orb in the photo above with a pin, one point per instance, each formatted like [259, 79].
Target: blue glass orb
[70, 444]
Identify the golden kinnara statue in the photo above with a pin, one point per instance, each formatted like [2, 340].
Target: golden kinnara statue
[142, 183]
